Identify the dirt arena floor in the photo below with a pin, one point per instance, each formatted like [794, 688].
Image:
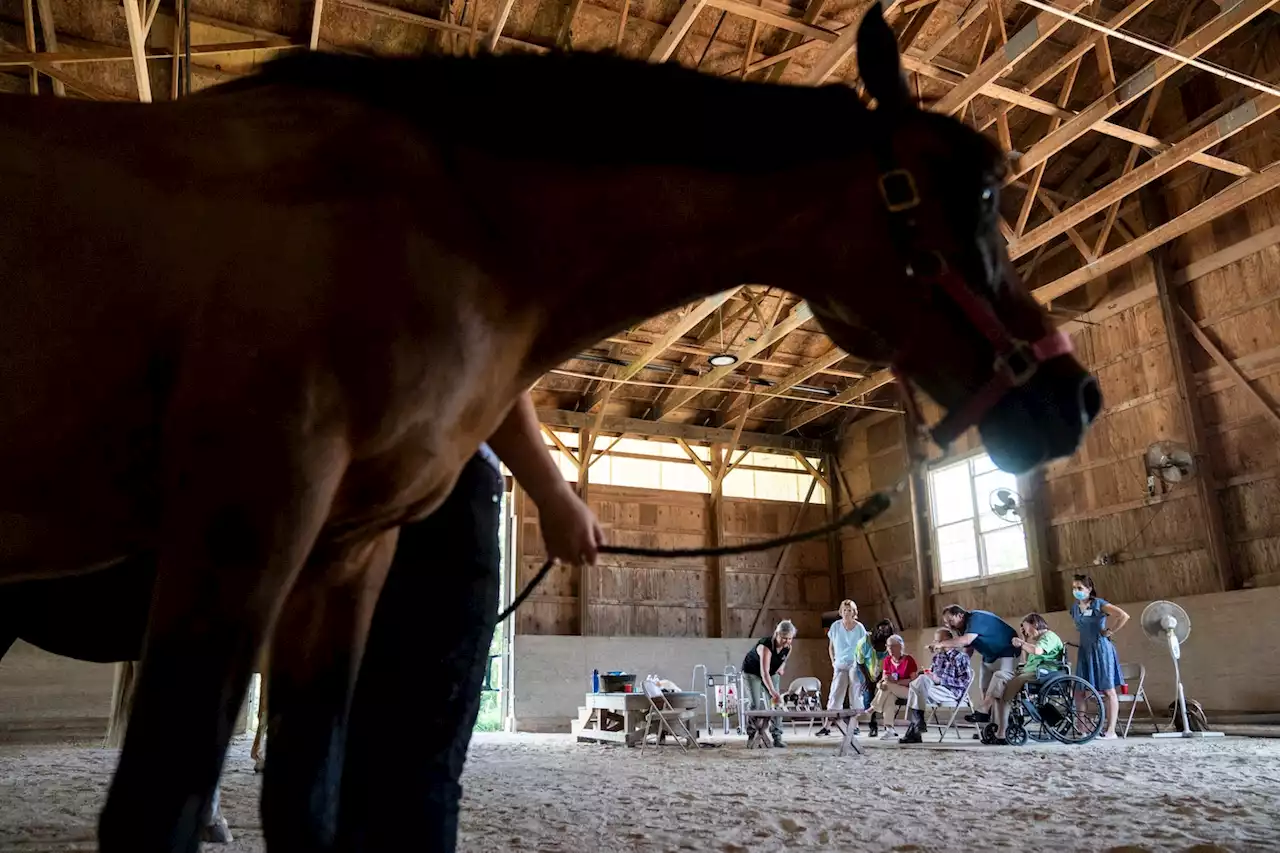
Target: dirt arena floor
[548, 793]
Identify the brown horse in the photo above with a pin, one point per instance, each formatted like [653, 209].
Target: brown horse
[253, 332]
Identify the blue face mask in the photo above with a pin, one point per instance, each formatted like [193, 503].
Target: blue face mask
[1080, 594]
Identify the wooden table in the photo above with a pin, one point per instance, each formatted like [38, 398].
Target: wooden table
[845, 721]
[621, 717]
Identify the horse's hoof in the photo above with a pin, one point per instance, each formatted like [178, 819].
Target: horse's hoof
[217, 832]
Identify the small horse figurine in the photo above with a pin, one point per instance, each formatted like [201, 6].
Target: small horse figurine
[281, 316]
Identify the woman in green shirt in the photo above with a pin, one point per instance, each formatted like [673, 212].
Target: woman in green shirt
[1043, 652]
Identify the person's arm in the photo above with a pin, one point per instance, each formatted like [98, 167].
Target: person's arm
[1115, 613]
[569, 527]
[766, 658]
[957, 642]
[831, 649]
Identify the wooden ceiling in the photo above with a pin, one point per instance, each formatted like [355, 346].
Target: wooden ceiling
[1088, 117]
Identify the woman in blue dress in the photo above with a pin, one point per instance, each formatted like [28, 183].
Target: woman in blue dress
[1098, 662]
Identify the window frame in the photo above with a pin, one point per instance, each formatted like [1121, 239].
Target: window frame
[984, 576]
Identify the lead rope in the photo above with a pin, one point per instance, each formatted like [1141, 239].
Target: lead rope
[860, 516]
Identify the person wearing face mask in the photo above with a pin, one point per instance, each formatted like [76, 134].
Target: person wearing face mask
[1098, 663]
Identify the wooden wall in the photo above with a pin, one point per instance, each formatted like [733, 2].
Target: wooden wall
[632, 596]
[1226, 277]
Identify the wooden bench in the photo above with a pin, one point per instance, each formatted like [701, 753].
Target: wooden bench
[845, 721]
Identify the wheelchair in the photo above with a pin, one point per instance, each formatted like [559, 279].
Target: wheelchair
[1059, 707]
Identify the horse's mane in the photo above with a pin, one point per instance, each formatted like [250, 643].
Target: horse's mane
[593, 109]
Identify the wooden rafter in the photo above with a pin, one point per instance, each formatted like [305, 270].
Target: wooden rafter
[681, 396]
[138, 48]
[744, 407]
[1037, 174]
[676, 31]
[1232, 123]
[1228, 21]
[689, 432]
[864, 386]
[1017, 49]
[1241, 192]
[50, 35]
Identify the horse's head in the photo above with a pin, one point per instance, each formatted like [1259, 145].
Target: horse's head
[954, 318]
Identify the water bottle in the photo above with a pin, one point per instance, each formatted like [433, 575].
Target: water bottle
[595, 681]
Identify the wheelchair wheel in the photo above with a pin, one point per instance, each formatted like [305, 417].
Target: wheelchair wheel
[1015, 734]
[1070, 710]
[989, 734]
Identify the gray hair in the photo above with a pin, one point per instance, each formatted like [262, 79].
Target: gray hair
[786, 628]
[897, 638]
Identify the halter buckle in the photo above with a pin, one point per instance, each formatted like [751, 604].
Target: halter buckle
[1018, 365]
[898, 189]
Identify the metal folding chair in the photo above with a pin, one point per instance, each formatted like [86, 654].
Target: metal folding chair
[800, 687]
[956, 706]
[662, 719]
[1135, 678]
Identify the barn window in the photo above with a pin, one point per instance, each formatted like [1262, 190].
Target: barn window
[969, 539]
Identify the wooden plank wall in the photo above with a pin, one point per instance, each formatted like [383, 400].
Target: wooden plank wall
[675, 597]
[1227, 277]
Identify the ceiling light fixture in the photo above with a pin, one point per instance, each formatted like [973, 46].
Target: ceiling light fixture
[722, 359]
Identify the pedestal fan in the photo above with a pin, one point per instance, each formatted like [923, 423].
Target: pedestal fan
[1166, 622]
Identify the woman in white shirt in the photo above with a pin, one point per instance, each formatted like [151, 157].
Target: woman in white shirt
[842, 641]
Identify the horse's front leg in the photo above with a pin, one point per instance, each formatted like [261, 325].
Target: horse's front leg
[242, 513]
[315, 657]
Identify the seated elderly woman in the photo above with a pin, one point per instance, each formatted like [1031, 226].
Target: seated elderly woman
[1043, 650]
[896, 672]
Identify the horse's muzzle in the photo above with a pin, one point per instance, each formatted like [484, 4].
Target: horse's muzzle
[1043, 420]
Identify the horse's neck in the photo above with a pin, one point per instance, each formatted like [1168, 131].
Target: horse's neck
[599, 253]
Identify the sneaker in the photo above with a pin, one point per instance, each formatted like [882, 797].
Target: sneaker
[890, 734]
[822, 732]
[977, 717]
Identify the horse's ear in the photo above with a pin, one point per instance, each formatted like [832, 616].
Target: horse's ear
[878, 62]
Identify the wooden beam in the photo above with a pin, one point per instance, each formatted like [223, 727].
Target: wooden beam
[772, 17]
[1205, 484]
[122, 54]
[804, 371]
[1224, 24]
[801, 314]
[317, 13]
[670, 40]
[681, 327]
[757, 623]
[864, 386]
[394, 14]
[565, 37]
[697, 460]
[812, 12]
[1037, 174]
[1243, 116]
[586, 445]
[560, 445]
[971, 15]
[813, 472]
[835, 550]
[842, 47]
[499, 24]
[635, 426]
[49, 33]
[918, 494]
[1062, 63]
[138, 49]
[877, 569]
[1223, 257]
[29, 31]
[718, 567]
[919, 20]
[1224, 361]
[1017, 49]
[1239, 193]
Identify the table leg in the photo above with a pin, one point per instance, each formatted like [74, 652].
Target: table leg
[849, 742]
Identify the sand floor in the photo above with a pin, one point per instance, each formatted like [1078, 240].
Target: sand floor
[546, 792]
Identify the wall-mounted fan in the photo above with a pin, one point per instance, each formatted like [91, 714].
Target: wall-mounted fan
[1007, 505]
[1171, 462]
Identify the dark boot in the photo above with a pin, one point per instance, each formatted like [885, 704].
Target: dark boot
[912, 735]
[874, 728]
[918, 721]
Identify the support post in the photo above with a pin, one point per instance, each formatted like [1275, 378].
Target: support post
[715, 538]
[919, 518]
[1155, 212]
[50, 35]
[138, 48]
[586, 440]
[835, 554]
[1047, 592]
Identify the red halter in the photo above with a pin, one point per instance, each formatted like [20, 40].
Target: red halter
[1016, 360]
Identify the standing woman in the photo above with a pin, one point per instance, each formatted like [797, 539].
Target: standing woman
[842, 642]
[762, 671]
[1098, 663]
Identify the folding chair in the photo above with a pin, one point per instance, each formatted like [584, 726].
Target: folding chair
[807, 684]
[660, 719]
[1135, 672]
[966, 701]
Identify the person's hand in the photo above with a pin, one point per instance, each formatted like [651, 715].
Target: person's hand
[1017, 642]
[570, 529]
[1107, 633]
